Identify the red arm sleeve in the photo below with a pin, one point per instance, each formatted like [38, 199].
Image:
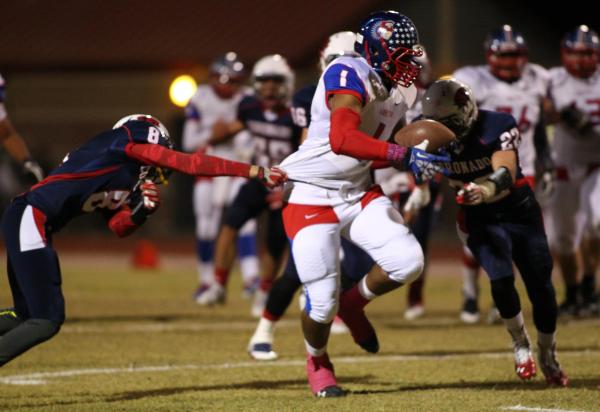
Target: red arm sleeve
[346, 139]
[197, 164]
[121, 224]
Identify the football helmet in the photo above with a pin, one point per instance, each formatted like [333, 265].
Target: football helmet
[389, 41]
[274, 67]
[580, 51]
[338, 44]
[156, 174]
[506, 53]
[227, 68]
[452, 103]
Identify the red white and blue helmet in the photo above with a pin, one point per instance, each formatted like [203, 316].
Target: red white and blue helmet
[580, 51]
[389, 42]
[506, 53]
[228, 67]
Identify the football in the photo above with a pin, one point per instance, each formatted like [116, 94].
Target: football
[439, 136]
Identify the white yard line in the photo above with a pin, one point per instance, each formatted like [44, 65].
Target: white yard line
[41, 378]
[535, 409]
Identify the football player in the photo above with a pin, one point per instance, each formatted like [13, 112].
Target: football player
[508, 83]
[358, 101]
[214, 104]
[115, 173]
[355, 263]
[268, 118]
[501, 221]
[574, 208]
[13, 143]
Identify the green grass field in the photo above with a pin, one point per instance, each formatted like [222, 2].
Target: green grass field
[135, 341]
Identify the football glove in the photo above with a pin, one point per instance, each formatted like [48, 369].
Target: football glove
[426, 165]
[271, 177]
[475, 193]
[150, 196]
[576, 119]
[32, 167]
[418, 199]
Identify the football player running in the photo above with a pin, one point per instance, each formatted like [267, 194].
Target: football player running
[508, 83]
[13, 143]
[501, 221]
[574, 208]
[116, 173]
[211, 106]
[268, 118]
[358, 100]
[355, 263]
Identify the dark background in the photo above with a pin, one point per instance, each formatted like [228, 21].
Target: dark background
[73, 67]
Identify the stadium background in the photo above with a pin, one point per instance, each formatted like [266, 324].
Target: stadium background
[73, 67]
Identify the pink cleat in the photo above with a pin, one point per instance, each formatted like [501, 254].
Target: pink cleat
[321, 377]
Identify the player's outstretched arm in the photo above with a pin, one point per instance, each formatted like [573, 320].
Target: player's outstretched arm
[200, 164]
[17, 149]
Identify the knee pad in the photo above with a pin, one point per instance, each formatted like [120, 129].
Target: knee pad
[409, 267]
[322, 300]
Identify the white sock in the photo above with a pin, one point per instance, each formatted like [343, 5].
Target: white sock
[516, 328]
[206, 273]
[314, 352]
[546, 340]
[264, 331]
[249, 268]
[470, 287]
[364, 290]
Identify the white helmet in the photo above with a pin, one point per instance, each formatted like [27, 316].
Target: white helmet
[338, 44]
[274, 66]
[452, 103]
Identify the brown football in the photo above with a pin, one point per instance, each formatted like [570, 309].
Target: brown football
[414, 133]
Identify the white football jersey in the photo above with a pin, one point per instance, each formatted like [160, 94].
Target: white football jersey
[2, 108]
[568, 147]
[322, 177]
[522, 99]
[203, 110]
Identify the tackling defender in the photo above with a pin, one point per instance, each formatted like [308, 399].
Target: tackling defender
[115, 173]
[500, 219]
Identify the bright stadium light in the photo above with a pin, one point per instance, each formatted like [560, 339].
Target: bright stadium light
[182, 89]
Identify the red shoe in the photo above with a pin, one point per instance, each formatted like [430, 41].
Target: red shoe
[551, 368]
[321, 377]
[524, 363]
[360, 327]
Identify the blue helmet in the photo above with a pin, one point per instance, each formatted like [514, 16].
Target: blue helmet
[388, 41]
[228, 67]
[506, 53]
[580, 51]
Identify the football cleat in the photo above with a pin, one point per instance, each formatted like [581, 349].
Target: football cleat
[550, 367]
[214, 295]
[202, 288]
[338, 327]
[360, 327]
[414, 312]
[470, 311]
[262, 351]
[524, 363]
[259, 303]
[321, 377]
[568, 308]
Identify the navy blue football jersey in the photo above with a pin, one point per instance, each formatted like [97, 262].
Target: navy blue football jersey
[472, 156]
[274, 134]
[96, 176]
[301, 103]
